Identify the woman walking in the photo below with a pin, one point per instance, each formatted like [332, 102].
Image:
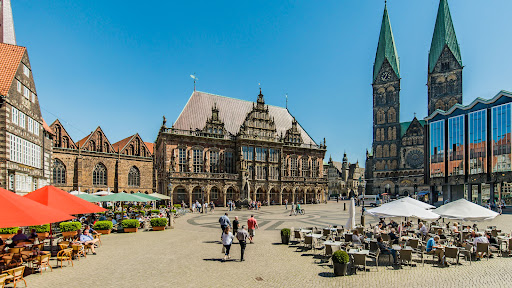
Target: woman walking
[227, 240]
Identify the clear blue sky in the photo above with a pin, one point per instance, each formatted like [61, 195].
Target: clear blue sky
[124, 64]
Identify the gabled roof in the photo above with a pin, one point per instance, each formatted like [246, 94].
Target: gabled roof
[444, 35]
[386, 49]
[84, 141]
[65, 132]
[119, 145]
[150, 146]
[47, 128]
[232, 112]
[405, 125]
[10, 58]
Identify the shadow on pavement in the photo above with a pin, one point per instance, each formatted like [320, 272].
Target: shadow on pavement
[327, 274]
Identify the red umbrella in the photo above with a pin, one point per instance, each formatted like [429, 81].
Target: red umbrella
[18, 211]
[63, 201]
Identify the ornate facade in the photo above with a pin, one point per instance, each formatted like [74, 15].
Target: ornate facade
[396, 163]
[344, 178]
[222, 149]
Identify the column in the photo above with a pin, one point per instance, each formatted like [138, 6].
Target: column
[470, 192]
[305, 195]
[281, 197]
[224, 195]
[479, 199]
[491, 192]
[190, 198]
[448, 194]
[268, 198]
[293, 196]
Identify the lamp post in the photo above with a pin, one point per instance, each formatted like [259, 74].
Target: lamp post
[202, 198]
[170, 216]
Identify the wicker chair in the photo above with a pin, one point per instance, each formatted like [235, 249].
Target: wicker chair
[483, 248]
[452, 252]
[3, 277]
[359, 260]
[65, 255]
[78, 251]
[406, 256]
[14, 275]
[42, 261]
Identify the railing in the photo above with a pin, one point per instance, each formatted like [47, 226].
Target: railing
[198, 133]
[203, 175]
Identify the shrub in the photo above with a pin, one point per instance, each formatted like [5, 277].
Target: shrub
[154, 211]
[41, 228]
[286, 232]
[12, 230]
[103, 225]
[177, 206]
[340, 257]
[130, 223]
[148, 206]
[101, 213]
[70, 226]
[173, 211]
[159, 222]
[142, 212]
[119, 212]
[161, 206]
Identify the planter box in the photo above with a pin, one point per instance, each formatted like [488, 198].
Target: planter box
[130, 230]
[285, 239]
[6, 236]
[69, 234]
[103, 231]
[340, 269]
[162, 228]
[43, 234]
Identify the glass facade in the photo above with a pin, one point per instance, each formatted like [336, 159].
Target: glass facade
[477, 142]
[456, 146]
[501, 138]
[437, 149]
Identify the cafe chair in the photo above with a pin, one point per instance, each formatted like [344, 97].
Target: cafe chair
[14, 275]
[42, 261]
[406, 256]
[452, 252]
[483, 248]
[65, 255]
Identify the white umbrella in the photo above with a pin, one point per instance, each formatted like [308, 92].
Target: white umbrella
[417, 203]
[464, 210]
[102, 193]
[401, 208]
[77, 193]
[351, 222]
[161, 196]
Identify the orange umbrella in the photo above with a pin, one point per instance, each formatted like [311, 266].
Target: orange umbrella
[18, 211]
[63, 201]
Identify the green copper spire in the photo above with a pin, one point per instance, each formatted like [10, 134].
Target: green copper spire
[444, 34]
[386, 48]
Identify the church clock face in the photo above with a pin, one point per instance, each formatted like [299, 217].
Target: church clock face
[415, 159]
[385, 76]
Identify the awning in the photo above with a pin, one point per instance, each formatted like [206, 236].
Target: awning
[63, 201]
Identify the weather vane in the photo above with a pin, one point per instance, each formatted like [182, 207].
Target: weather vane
[193, 76]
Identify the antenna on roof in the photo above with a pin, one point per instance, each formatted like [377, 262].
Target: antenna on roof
[193, 76]
[286, 95]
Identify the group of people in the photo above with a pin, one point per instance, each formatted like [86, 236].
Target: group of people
[203, 208]
[239, 231]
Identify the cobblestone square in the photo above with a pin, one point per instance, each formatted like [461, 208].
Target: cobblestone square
[190, 255]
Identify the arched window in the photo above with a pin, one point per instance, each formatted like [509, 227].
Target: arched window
[59, 172]
[92, 146]
[65, 142]
[214, 193]
[134, 177]
[99, 175]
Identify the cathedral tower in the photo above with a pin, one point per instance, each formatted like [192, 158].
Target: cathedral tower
[7, 35]
[444, 64]
[386, 100]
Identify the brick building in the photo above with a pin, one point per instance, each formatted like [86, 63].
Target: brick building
[222, 149]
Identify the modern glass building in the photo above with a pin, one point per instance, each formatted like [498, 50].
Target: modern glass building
[469, 150]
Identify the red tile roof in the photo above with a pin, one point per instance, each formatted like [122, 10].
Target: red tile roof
[120, 144]
[10, 58]
[150, 146]
[47, 128]
[82, 142]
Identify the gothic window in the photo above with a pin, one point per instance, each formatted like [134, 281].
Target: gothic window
[260, 153]
[197, 157]
[394, 133]
[105, 147]
[228, 162]
[261, 172]
[131, 149]
[59, 172]
[391, 115]
[182, 160]
[390, 133]
[230, 193]
[273, 155]
[248, 153]
[214, 162]
[134, 177]
[314, 168]
[305, 167]
[392, 150]
[99, 175]
[214, 193]
[377, 136]
[293, 167]
[378, 151]
[381, 117]
[385, 151]
[65, 142]
[92, 145]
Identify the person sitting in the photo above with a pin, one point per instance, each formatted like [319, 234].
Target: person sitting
[386, 250]
[440, 234]
[438, 250]
[19, 236]
[382, 223]
[422, 230]
[393, 224]
[33, 235]
[91, 231]
[479, 238]
[87, 239]
[103, 218]
[377, 229]
[356, 239]
[455, 228]
[493, 243]
[393, 237]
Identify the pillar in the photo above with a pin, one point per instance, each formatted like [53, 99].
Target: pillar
[225, 195]
[491, 192]
[190, 198]
[447, 195]
[305, 195]
[281, 198]
[293, 197]
[268, 198]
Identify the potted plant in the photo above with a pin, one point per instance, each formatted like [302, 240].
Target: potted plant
[155, 211]
[285, 236]
[70, 229]
[158, 224]
[173, 211]
[177, 206]
[130, 225]
[7, 233]
[41, 230]
[340, 260]
[103, 227]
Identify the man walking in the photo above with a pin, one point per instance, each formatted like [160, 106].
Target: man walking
[224, 221]
[242, 236]
[236, 224]
[286, 204]
[291, 210]
[252, 224]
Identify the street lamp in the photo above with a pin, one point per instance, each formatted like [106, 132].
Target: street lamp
[202, 198]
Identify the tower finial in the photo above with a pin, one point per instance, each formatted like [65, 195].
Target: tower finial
[193, 76]
[286, 101]
[6, 23]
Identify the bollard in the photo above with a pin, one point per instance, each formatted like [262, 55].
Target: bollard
[362, 220]
[344, 206]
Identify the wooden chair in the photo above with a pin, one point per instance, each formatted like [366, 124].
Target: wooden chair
[88, 247]
[375, 254]
[483, 248]
[65, 255]
[406, 256]
[78, 251]
[14, 275]
[308, 240]
[359, 260]
[98, 236]
[413, 243]
[297, 236]
[452, 252]
[3, 277]
[42, 261]
[39, 246]
[16, 254]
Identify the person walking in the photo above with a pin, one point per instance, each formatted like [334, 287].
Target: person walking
[285, 204]
[227, 240]
[252, 224]
[224, 222]
[236, 224]
[291, 210]
[242, 236]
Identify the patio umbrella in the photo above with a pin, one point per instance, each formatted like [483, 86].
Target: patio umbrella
[147, 196]
[77, 193]
[63, 201]
[464, 210]
[102, 193]
[89, 197]
[161, 196]
[123, 197]
[351, 222]
[416, 202]
[401, 208]
[18, 211]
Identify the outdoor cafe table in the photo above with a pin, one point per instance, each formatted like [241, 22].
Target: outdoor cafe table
[356, 251]
[332, 243]
[305, 231]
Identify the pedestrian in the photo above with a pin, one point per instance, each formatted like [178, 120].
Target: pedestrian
[235, 225]
[227, 240]
[224, 221]
[242, 236]
[252, 224]
[212, 207]
[291, 210]
[285, 204]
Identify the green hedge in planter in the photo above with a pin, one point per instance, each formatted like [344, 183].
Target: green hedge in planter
[41, 228]
[130, 223]
[173, 211]
[159, 222]
[119, 212]
[12, 230]
[148, 206]
[177, 206]
[161, 206]
[154, 211]
[70, 226]
[103, 225]
[340, 257]
[286, 232]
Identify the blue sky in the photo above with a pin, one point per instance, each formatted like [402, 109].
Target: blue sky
[124, 64]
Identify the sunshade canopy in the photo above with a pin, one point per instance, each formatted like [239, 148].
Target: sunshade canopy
[18, 211]
[400, 208]
[102, 193]
[77, 193]
[123, 197]
[161, 196]
[89, 197]
[63, 201]
[464, 210]
[351, 221]
[417, 203]
[147, 196]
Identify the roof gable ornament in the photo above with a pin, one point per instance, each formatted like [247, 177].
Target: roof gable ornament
[293, 135]
[386, 49]
[444, 35]
[214, 126]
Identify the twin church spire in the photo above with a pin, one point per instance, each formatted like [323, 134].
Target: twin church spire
[386, 49]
